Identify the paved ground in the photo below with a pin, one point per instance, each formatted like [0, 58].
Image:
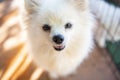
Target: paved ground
[97, 67]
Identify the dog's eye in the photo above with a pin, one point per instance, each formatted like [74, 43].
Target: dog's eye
[46, 27]
[68, 26]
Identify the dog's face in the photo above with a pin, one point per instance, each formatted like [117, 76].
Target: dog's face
[57, 20]
[59, 28]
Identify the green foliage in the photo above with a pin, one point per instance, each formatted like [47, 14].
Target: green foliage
[114, 2]
[114, 49]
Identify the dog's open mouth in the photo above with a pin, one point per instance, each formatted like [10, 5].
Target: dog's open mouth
[59, 47]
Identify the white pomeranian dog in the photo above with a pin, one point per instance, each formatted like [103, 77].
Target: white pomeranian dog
[59, 33]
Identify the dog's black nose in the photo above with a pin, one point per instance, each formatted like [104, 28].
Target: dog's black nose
[58, 39]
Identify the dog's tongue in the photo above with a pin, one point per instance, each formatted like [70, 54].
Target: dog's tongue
[59, 48]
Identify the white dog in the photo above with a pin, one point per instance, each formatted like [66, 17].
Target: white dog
[59, 34]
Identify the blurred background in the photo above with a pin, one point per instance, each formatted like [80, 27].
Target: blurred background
[102, 64]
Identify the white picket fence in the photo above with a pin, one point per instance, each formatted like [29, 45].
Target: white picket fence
[109, 17]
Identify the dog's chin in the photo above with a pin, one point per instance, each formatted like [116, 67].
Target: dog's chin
[59, 47]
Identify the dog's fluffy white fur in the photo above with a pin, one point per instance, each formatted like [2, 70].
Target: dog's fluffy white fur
[78, 40]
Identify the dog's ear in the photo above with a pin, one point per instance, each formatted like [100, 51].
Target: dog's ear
[81, 4]
[31, 5]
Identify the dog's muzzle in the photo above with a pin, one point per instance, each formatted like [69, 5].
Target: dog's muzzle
[58, 40]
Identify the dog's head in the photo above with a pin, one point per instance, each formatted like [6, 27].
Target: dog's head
[56, 21]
